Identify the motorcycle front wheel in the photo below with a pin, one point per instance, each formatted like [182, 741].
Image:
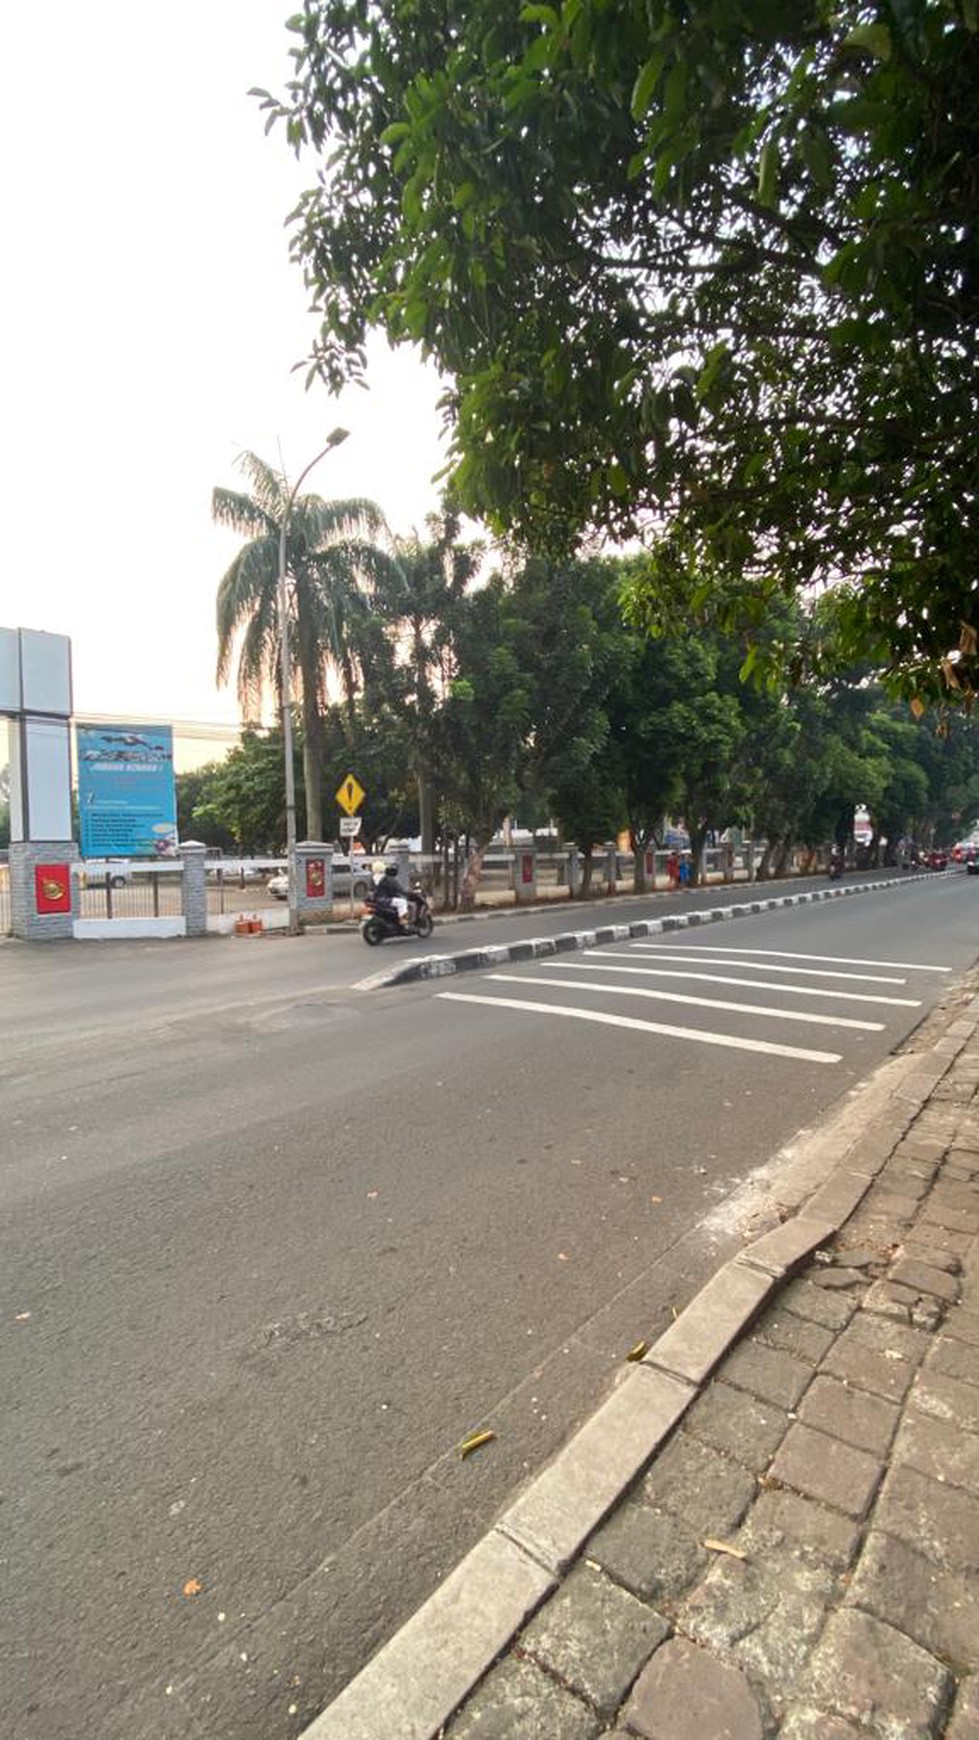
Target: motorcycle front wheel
[425, 924]
[372, 931]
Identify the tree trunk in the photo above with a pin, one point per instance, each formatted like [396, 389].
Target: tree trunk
[698, 840]
[783, 855]
[312, 766]
[587, 862]
[474, 865]
[426, 812]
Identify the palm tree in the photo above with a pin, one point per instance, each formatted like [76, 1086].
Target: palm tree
[332, 562]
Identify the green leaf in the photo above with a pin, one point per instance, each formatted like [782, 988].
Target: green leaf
[768, 173]
[646, 82]
[398, 130]
[537, 14]
[872, 39]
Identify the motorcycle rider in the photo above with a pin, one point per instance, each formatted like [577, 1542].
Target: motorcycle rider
[388, 891]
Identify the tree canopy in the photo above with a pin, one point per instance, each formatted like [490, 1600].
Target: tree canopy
[705, 275]
[332, 561]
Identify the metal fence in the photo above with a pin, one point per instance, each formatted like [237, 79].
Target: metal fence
[135, 890]
[146, 889]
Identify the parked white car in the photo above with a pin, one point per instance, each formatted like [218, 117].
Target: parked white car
[363, 881]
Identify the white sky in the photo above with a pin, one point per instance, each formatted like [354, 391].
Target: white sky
[150, 321]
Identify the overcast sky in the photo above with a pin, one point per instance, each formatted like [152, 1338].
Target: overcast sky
[150, 321]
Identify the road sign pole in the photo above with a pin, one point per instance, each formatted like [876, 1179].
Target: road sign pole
[349, 829]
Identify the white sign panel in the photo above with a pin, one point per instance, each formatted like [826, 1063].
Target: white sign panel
[9, 670]
[48, 762]
[45, 664]
[350, 827]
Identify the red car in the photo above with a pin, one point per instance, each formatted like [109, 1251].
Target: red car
[936, 859]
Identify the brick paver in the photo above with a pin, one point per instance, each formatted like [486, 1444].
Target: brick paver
[939, 1609]
[594, 1637]
[653, 1552]
[737, 1424]
[874, 1676]
[766, 1373]
[941, 1521]
[827, 1469]
[685, 1694]
[857, 1417]
[518, 1701]
[705, 1489]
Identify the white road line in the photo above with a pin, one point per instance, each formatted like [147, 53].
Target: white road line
[702, 1002]
[749, 984]
[727, 1040]
[812, 972]
[839, 960]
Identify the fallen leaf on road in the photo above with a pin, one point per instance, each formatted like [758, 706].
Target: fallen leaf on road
[563, 1257]
[21, 1316]
[656, 1199]
[723, 1547]
[639, 1351]
[675, 1312]
[193, 1586]
[371, 1194]
[475, 1442]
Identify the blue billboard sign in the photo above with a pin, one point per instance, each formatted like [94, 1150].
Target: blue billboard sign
[127, 798]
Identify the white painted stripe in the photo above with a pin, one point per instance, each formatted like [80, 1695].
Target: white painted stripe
[701, 1002]
[749, 984]
[727, 1040]
[811, 972]
[839, 960]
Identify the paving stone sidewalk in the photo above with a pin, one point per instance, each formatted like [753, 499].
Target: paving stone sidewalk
[801, 1559]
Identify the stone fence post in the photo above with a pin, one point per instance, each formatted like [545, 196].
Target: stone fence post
[43, 891]
[194, 886]
[525, 874]
[314, 879]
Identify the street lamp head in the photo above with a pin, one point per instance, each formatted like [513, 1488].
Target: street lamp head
[334, 439]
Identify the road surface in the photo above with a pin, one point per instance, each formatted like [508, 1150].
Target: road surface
[272, 1246]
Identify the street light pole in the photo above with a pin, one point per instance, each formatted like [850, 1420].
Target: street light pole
[285, 673]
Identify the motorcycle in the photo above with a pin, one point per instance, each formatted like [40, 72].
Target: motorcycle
[835, 866]
[379, 923]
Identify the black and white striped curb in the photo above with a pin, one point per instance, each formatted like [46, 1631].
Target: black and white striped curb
[571, 941]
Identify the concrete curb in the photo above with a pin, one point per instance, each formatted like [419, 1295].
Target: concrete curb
[569, 941]
[420, 1677]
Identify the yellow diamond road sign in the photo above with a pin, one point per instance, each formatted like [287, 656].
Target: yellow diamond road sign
[350, 794]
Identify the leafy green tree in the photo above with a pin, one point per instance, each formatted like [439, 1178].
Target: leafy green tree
[591, 809]
[711, 269]
[332, 561]
[373, 742]
[528, 663]
[195, 821]
[417, 601]
[242, 798]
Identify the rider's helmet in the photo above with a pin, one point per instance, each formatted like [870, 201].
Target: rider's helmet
[391, 869]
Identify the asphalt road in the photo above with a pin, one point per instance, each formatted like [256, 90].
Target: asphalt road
[270, 1247]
